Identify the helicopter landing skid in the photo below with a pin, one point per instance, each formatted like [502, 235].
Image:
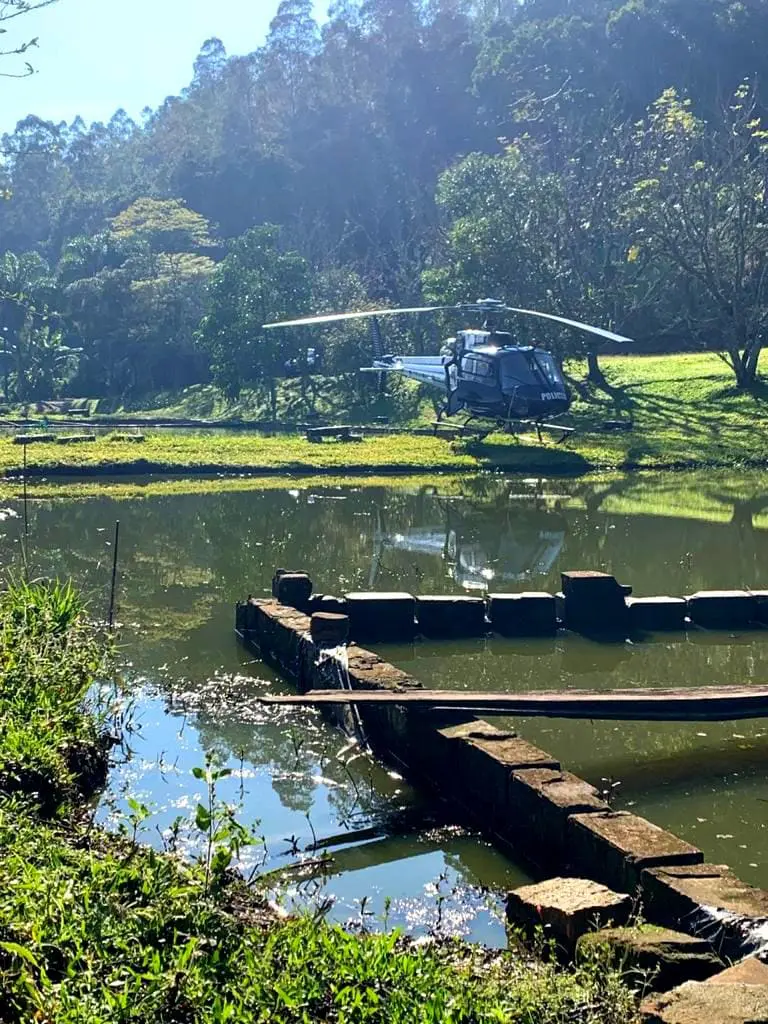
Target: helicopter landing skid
[479, 433]
[564, 431]
[454, 430]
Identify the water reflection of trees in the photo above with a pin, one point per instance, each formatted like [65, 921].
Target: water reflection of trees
[184, 559]
[185, 554]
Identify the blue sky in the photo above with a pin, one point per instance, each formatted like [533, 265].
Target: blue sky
[97, 55]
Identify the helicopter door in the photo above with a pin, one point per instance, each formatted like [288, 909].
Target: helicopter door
[451, 365]
[478, 379]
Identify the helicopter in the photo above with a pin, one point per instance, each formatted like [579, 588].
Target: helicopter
[480, 370]
[480, 546]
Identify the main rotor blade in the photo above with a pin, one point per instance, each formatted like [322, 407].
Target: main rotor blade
[330, 318]
[574, 323]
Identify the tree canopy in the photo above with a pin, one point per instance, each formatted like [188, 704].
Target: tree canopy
[604, 160]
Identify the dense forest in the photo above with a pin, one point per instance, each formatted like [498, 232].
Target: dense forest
[604, 159]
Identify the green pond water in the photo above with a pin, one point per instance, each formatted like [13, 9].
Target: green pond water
[186, 558]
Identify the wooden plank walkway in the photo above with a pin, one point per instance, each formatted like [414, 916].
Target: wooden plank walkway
[696, 704]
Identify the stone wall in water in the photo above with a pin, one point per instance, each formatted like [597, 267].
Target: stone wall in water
[518, 795]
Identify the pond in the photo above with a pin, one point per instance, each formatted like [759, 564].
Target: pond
[186, 557]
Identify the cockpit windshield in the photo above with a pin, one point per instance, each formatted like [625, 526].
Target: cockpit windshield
[514, 370]
[548, 367]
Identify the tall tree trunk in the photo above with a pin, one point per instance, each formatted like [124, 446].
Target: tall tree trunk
[751, 360]
[740, 369]
[594, 373]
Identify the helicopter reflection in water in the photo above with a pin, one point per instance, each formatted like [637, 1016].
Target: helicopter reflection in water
[482, 546]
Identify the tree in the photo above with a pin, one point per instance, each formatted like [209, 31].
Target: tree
[699, 207]
[9, 10]
[165, 225]
[540, 230]
[36, 360]
[136, 294]
[257, 282]
[292, 43]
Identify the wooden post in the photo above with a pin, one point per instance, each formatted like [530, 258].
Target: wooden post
[111, 616]
[26, 514]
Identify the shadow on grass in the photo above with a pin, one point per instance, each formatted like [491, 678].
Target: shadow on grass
[757, 391]
[522, 456]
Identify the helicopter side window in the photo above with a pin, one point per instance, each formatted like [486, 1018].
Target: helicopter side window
[476, 368]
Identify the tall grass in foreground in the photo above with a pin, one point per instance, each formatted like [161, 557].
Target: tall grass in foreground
[50, 655]
[104, 933]
[96, 928]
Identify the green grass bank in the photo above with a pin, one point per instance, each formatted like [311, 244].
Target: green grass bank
[680, 411]
[97, 928]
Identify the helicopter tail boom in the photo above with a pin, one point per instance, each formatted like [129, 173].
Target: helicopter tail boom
[426, 369]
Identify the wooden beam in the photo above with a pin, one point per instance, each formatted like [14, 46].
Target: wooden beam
[695, 704]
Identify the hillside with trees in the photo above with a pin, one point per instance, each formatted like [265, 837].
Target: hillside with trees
[602, 159]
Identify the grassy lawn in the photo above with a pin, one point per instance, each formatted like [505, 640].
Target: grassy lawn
[682, 411]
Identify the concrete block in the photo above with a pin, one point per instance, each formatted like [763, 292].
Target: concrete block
[750, 971]
[506, 747]
[328, 629]
[723, 609]
[381, 616]
[280, 633]
[707, 1002]
[618, 846]
[449, 616]
[275, 577]
[567, 907]
[478, 760]
[511, 751]
[247, 614]
[595, 603]
[737, 995]
[294, 589]
[531, 613]
[590, 586]
[708, 899]
[327, 603]
[541, 802]
[368, 671]
[666, 958]
[653, 614]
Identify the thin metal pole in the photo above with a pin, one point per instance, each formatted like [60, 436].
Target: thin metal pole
[114, 575]
[26, 514]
